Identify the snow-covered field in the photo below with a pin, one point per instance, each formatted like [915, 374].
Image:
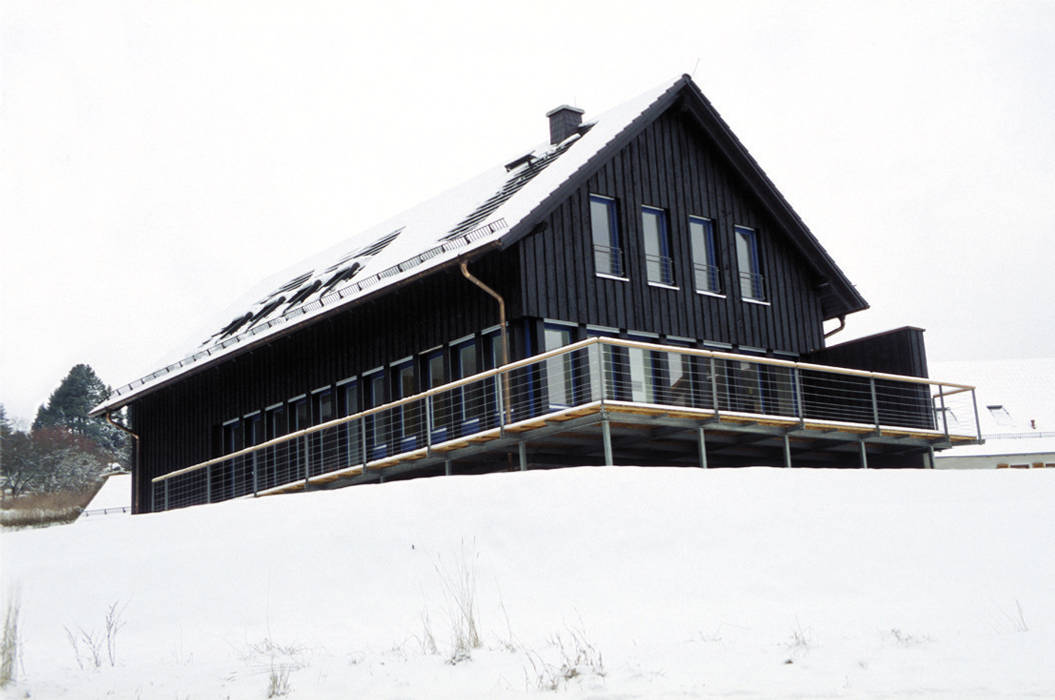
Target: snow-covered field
[632, 582]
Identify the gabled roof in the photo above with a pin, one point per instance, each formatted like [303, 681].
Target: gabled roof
[493, 210]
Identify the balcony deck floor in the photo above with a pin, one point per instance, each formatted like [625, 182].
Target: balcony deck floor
[643, 433]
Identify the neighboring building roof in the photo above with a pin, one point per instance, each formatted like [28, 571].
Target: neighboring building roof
[114, 496]
[493, 210]
[1016, 410]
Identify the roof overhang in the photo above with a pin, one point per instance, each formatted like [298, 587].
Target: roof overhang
[838, 295]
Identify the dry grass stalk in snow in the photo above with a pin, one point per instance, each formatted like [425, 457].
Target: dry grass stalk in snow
[576, 657]
[9, 643]
[88, 645]
[459, 585]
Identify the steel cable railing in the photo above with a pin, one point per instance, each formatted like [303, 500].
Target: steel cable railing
[595, 371]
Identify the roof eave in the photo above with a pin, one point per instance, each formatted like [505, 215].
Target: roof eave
[281, 332]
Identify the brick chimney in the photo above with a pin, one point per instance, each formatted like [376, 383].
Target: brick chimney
[563, 122]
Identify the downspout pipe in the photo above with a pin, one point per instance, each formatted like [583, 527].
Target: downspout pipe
[842, 325]
[502, 326]
[135, 464]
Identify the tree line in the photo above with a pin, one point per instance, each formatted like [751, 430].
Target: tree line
[65, 449]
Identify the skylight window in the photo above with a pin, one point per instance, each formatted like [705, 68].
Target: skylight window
[378, 245]
[266, 311]
[1000, 414]
[234, 325]
[341, 276]
[304, 293]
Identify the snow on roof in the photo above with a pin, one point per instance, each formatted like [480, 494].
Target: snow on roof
[1016, 404]
[115, 493]
[464, 219]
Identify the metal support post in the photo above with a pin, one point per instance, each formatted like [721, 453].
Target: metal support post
[945, 418]
[428, 425]
[362, 441]
[602, 385]
[714, 388]
[255, 482]
[446, 467]
[703, 447]
[864, 454]
[606, 436]
[166, 494]
[875, 403]
[977, 422]
[522, 450]
[502, 408]
[208, 485]
[795, 372]
[930, 451]
[306, 457]
[787, 451]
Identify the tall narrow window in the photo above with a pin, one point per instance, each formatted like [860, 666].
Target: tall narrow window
[351, 432]
[491, 358]
[749, 265]
[323, 442]
[299, 418]
[606, 370]
[642, 373]
[232, 436]
[469, 397]
[436, 375]
[658, 262]
[254, 435]
[376, 423]
[276, 426]
[678, 377]
[607, 251]
[559, 373]
[407, 417]
[704, 255]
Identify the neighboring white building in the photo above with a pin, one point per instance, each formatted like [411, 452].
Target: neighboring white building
[1016, 411]
[113, 497]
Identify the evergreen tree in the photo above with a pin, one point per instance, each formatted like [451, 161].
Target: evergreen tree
[67, 408]
[5, 425]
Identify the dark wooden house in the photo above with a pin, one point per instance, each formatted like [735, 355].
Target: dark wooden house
[636, 291]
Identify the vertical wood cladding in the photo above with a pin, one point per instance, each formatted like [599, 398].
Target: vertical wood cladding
[177, 423]
[670, 166]
[898, 351]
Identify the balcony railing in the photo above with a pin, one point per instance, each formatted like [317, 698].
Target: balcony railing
[608, 260]
[752, 286]
[595, 374]
[708, 278]
[660, 268]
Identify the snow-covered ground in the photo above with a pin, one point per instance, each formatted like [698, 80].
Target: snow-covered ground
[672, 583]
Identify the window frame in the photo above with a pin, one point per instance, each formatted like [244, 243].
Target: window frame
[749, 271]
[616, 267]
[376, 434]
[712, 267]
[440, 409]
[664, 274]
[351, 433]
[561, 366]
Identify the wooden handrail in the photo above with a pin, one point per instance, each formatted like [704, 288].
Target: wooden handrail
[549, 354]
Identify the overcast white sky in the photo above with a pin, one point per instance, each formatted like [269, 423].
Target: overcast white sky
[159, 158]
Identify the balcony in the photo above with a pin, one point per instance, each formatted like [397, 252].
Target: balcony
[604, 401]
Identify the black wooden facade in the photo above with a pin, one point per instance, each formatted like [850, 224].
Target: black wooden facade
[546, 274]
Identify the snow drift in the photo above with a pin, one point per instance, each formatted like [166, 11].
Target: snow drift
[600, 582]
